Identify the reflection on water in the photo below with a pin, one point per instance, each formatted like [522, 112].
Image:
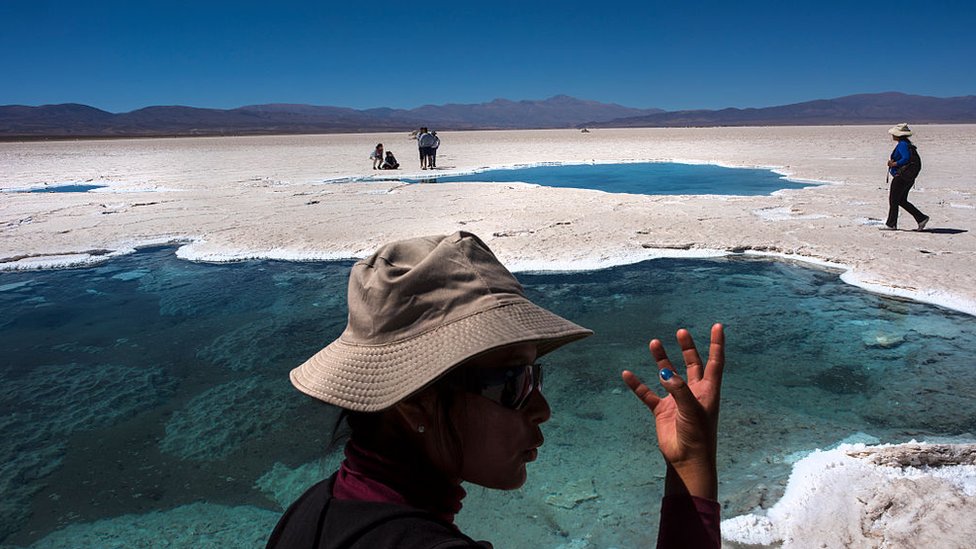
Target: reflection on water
[150, 395]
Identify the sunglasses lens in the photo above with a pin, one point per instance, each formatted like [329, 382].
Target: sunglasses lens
[510, 387]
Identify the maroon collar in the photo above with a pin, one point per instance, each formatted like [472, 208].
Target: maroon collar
[397, 478]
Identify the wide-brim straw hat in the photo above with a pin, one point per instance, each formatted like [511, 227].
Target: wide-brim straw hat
[417, 309]
[900, 130]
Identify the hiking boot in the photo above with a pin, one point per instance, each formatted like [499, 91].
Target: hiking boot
[923, 223]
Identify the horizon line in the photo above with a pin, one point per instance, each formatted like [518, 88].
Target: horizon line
[890, 92]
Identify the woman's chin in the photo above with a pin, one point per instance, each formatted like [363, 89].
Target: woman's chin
[516, 483]
[512, 482]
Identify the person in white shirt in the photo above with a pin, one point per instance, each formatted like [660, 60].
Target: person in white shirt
[425, 142]
[432, 163]
[377, 156]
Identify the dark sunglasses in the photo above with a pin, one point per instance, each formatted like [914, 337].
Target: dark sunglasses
[511, 387]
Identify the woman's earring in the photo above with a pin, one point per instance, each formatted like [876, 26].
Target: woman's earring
[420, 429]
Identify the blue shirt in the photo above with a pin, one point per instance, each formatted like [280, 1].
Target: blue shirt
[902, 154]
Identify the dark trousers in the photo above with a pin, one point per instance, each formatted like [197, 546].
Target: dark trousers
[898, 196]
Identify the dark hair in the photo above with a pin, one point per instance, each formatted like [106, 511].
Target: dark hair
[374, 431]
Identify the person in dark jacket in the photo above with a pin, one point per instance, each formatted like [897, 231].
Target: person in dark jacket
[904, 164]
[438, 377]
[390, 162]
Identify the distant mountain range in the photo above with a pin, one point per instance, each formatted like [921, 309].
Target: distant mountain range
[73, 120]
[871, 108]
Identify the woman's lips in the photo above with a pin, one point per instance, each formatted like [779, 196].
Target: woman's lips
[533, 452]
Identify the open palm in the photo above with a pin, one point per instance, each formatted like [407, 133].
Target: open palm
[686, 419]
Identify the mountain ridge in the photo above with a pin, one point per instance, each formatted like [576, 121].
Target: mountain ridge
[874, 108]
[73, 120]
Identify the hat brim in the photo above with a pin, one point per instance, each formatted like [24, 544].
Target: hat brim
[370, 378]
[899, 133]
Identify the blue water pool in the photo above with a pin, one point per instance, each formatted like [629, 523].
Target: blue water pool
[149, 397]
[636, 178]
[71, 188]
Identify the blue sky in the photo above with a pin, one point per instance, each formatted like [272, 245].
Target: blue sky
[123, 55]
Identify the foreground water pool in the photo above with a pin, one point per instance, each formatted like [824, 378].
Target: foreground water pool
[148, 398]
[635, 178]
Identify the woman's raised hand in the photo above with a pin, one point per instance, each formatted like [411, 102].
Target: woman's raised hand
[687, 418]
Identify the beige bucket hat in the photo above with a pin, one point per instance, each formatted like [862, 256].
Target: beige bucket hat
[900, 130]
[417, 308]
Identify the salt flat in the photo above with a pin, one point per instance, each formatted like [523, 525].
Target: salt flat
[267, 197]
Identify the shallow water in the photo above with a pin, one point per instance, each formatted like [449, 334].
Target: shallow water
[635, 178]
[68, 188]
[148, 397]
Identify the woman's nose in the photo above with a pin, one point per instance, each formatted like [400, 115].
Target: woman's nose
[538, 407]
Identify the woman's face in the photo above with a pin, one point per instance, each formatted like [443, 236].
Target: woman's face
[498, 441]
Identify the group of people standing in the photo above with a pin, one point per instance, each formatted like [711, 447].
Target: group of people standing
[427, 143]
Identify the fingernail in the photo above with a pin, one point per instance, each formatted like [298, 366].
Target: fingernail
[666, 374]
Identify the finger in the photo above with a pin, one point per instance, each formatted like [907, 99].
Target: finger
[643, 393]
[659, 355]
[683, 397]
[716, 355]
[693, 362]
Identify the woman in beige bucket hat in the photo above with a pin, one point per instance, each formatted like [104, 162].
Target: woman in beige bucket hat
[436, 371]
[904, 164]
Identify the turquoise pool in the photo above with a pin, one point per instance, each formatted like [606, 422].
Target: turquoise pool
[634, 178]
[148, 397]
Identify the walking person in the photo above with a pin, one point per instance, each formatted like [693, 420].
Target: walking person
[904, 165]
[438, 379]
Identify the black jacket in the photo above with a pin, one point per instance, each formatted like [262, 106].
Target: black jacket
[318, 521]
